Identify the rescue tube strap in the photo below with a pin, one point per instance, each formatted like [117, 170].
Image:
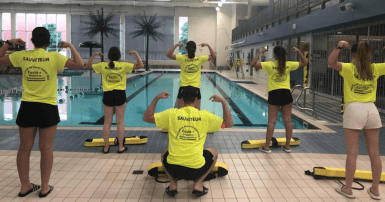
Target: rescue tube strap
[318, 177]
[274, 142]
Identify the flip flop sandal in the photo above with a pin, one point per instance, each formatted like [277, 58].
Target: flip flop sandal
[373, 196]
[106, 152]
[339, 190]
[34, 188]
[44, 195]
[263, 150]
[286, 150]
[201, 193]
[125, 149]
[172, 192]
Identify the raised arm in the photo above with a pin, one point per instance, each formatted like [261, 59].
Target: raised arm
[212, 52]
[333, 58]
[170, 53]
[303, 59]
[256, 64]
[227, 118]
[4, 59]
[149, 114]
[139, 63]
[77, 62]
[89, 63]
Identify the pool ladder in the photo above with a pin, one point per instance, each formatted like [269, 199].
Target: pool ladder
[303, 108]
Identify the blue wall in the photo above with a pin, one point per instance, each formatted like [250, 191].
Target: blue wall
[327, 19]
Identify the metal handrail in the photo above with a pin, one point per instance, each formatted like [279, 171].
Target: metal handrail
[304, 108]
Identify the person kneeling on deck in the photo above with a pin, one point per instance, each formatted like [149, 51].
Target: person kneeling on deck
[185, 157]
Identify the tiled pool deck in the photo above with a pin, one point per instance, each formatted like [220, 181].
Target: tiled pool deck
[85, 174]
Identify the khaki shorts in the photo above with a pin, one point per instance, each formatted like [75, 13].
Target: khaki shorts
[360, 116]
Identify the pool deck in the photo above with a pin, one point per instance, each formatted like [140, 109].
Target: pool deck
[85, 174]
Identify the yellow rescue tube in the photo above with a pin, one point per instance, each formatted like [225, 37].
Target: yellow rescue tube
[97, 142]
[275, 142]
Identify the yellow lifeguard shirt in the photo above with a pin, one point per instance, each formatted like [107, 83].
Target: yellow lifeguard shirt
[39, 69]
[190, 69]
[187, 132]
[275, 80]
[115, 78]
[356, 89]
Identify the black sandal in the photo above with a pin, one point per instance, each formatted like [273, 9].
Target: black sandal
[201, 193]
[125, 149]
[172, 192]
[34, 188]
[106, 152]
[44, 195]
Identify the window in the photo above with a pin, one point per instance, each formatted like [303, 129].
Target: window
[183, 33]
[6, 26]
[55, 23]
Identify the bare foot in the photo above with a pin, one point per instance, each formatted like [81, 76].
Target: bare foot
[375, 192]
[44, 190]
[105, 150]
[24, 189]
[286, 147]
[198, 187]
[345, 190]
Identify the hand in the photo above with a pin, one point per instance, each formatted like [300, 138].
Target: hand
[64, 44]
[295, 49]
[18, 41]
[264, 50]
[343, 44]
[132, 52]
[98, 54]
[163, 95]
[179, 44]
[216, 98]
[204, 44]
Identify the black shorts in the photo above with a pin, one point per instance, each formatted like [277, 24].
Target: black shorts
[180, 172]
[36, 114]
[180, 93]
[280, 97]
[114, 98]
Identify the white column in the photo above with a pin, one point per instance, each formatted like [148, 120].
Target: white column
[13, 25]
[123, 35]
[249, 7]
[68, 33]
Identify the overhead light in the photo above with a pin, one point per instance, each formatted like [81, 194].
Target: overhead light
[223, 0]
[220, 4]
[217, 8]
[339, 32]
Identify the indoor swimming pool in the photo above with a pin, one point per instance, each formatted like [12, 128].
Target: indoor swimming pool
[78, 109]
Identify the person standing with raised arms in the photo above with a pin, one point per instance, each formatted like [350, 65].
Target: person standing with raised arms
[38, 108]
[360, 88]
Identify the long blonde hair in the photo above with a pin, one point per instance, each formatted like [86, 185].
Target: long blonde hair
[364, 67]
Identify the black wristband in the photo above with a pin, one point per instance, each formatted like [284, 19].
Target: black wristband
[338, 47]
[7, 42]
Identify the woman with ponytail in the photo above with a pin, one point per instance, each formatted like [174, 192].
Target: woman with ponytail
[360, 87]
[190, 68]
[278, 76]
[38, 108]
[114, 87]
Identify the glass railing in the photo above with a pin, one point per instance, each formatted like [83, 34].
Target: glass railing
[280, 10]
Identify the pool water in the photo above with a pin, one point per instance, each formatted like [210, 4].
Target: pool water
[248, 110]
